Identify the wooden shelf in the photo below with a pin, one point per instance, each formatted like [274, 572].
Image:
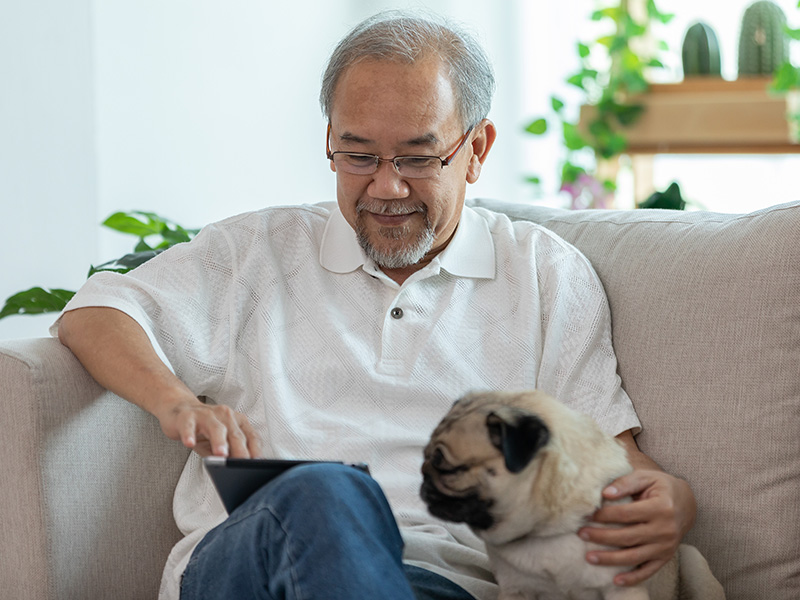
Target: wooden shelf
[710, 115]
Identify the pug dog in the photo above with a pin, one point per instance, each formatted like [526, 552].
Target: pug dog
[526, 472]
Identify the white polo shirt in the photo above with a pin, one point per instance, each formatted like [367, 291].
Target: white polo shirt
[279, 315]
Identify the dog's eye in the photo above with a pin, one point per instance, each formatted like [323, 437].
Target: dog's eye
[440, 463]
[452, 470]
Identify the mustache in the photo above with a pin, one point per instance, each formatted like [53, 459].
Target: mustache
[382, 207]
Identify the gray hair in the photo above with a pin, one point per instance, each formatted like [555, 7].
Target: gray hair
[406, 37]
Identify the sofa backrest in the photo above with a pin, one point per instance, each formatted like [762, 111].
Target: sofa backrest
[87, 483]
[706, 320]
[706, 326]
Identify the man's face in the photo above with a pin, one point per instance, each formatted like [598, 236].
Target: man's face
[390, 109]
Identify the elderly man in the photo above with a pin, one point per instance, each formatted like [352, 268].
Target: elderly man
[345, 332]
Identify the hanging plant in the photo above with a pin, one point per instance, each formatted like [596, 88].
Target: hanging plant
[628, 51]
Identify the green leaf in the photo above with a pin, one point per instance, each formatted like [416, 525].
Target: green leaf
[533, 179]
[606, 40]
[628, 115]
[125, 223]
[36, 301]
[576, 80]
[617, 44]
[142, 246]
[583, 50]
[793, 33]
[174, 236]
[786, 78]
[669, 199]
[556, 104]
[570, 172]
[125, 263]
[611, 12]
[572, 139]
[538, 127]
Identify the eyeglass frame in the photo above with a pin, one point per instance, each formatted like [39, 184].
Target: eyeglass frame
[378, 160]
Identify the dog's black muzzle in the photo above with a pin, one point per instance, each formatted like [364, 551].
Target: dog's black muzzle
[469, 509]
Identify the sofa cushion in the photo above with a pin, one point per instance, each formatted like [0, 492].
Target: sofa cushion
[706, 324]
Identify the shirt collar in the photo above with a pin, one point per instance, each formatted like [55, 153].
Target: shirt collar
[470, 252]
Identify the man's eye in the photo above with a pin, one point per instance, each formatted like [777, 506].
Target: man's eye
[359, 160]
[417, 162]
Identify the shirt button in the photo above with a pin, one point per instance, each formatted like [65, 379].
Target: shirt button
[397, 313]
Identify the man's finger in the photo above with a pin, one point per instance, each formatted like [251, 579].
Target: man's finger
[639, 574]
[238, 442]
[640, 511]
[215, 433]
[188, 432]
[619, 558]
[629, 485]
[253, 445]
[625, 537]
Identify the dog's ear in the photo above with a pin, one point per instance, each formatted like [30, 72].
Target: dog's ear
[518, 435]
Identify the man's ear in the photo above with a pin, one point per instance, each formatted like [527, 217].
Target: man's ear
[518, 434]
[482, 141]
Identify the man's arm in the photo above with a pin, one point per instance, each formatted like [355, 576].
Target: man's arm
[662, 512]
[116, 351]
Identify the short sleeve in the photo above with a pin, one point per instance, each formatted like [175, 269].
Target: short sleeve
[181, 298]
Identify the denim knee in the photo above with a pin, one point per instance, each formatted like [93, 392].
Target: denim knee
[316, 488]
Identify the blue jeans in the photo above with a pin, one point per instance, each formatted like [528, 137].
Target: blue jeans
[321, 531]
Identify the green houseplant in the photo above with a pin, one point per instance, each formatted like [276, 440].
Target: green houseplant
[786, 80]
[154, 235]
[611, 91]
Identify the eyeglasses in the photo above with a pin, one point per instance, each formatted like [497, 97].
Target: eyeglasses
[412, 167]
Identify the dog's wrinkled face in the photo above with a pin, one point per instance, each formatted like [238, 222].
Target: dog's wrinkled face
[472, 454]
[514, 463]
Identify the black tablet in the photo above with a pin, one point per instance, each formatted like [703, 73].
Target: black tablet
[237, 478]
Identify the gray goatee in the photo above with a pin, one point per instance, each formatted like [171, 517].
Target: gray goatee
[411, 252]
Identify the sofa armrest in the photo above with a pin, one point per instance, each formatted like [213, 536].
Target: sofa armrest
[87, 482]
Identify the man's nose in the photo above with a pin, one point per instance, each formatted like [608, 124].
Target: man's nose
[387, 183]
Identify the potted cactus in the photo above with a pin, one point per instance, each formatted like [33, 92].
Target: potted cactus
[763, 43]
[700, 52]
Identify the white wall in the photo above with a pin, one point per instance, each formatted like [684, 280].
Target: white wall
[206, 108]
[195, 109]
[199, 109]
[47, 153]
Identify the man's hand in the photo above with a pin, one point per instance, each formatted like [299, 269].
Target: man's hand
[209, 429]
[653, 525]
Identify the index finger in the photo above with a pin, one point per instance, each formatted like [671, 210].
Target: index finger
[253, 444]
[631, 484]
[638, 511]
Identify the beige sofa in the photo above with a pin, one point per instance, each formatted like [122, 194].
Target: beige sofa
[706, 317]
